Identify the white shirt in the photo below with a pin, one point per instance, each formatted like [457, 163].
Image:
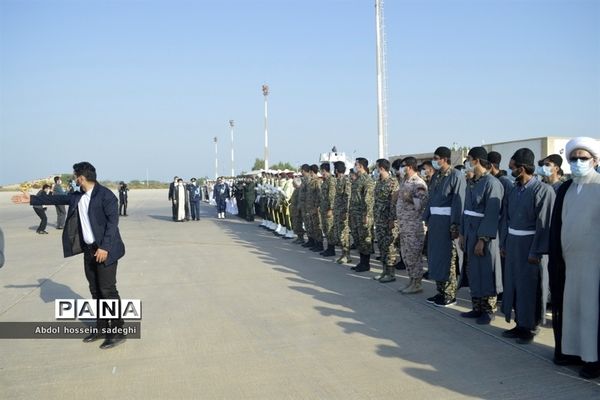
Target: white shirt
[84, 218]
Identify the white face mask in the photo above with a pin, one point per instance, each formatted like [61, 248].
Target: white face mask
[546, 171]
[469, 167]
[581, 168]
[539, 170]
[402, 172]
[423, 173]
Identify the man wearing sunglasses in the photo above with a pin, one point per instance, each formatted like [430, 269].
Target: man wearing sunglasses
[574, 265]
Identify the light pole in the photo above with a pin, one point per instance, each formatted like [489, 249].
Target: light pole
[216, 159]
[231, 124]
[380, 44]
[265, 89]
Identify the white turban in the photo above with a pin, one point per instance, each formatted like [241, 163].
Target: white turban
[584, 143]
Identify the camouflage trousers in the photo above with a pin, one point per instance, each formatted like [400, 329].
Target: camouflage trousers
[327, 225]
[386, 239]
[412, 240]
[314, 226]
[342, 231]
[297, 227]
[362, 234]
[448, 288]
[486, 304]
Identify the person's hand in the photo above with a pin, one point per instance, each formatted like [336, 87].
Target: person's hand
[480, 248]
[101, 255]
[366, 220]
[534, 260]
[461, 242]
[22, 198]
[392, 224]
[329, 213]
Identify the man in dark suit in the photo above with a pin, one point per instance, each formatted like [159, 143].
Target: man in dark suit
[91, 228]
[172, 197]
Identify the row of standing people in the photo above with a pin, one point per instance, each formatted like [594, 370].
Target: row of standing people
[472, 226]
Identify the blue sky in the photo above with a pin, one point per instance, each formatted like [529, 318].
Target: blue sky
[137, 85]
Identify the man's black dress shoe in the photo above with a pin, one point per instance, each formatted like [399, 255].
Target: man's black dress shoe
[92, 337]
[113, 341]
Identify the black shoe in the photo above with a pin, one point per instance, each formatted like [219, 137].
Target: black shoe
[564, 360]
[92, 337]
[309, 243]
[59, 228]
[512, 333]
[433, 299]
[317, 247]
[485, 318]
[590, 370]
[525, 337]
[42, 232]
[330, 252]
[362, 268]
[471, 314]
[443, 302]
[426, 275]
[113, 341]
[364, 264]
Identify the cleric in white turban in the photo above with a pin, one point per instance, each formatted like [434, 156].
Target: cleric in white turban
[574, 265]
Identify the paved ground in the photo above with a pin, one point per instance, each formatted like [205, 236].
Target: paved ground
[231, 312]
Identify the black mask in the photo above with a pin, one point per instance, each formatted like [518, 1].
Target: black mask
[515, 173]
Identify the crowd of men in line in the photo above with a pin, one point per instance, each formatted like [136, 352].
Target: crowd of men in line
[521, 240]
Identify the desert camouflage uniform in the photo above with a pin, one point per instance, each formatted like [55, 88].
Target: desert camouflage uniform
[385, 216]
[327, 203]
[412, 200]
[361, 212]
[302, 204]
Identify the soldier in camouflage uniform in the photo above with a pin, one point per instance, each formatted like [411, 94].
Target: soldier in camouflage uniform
[327, 203]
[296, 212]
[385, 220]
[361, 213]
[303, 204]
[412, 200]
[313, 200]
[340, 211]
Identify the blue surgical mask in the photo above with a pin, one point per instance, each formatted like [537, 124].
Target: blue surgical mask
[436, 164]
[469, 167]
[580, 167]
[546, 171]
[539, 170]
[598, 168]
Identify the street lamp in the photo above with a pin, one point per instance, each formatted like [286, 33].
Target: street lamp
[265, 90]
[381, 104]
[231, 124]
[216, 159]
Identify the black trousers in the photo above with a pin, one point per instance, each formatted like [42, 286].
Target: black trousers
[123, 207]
[44, 220]
[102, 279]
[174, 209]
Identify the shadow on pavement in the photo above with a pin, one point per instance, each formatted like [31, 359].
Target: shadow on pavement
[367, 311]
[49, 290]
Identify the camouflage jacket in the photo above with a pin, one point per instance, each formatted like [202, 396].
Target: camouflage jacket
[361, 197]
[412, 198]
[343, 188]
[313, 195]
[384, 211]
[328, 194]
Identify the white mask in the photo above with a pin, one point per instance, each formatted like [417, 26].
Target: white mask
[469, 167]
[423, 173]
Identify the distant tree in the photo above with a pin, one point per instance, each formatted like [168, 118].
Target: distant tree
[283, 165]
[259, 163]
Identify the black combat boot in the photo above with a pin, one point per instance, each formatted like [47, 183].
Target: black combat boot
[309, 243]
[329, 252]
[317, 247]
[365, 261]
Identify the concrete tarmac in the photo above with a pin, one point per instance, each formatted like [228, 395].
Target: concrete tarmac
[232, 312]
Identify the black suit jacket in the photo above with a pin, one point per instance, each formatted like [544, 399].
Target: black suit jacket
[103, 212]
